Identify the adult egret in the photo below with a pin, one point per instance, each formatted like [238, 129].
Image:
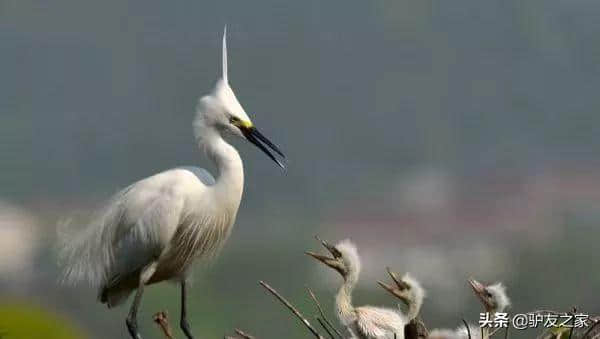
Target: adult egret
[364, 322]
[154, 229]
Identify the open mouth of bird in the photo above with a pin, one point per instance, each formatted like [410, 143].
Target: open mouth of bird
[479, 289]
[264, 144]
[334, 261]
[323, 258]
[476, 285]
[400, 284]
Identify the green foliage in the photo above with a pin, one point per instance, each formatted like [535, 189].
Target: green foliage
[25, 321]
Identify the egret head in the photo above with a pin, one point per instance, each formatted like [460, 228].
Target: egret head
[344, 258]
[492, 296]
[408, 289]
[221, 111]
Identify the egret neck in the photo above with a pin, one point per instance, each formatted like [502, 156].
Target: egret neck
[229, 183]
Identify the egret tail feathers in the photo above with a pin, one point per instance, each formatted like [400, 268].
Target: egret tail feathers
[87, 254]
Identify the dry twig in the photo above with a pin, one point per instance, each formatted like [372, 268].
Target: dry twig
[161, 319]
[324, 326]
[467, 327]
[242, 334]
[323, 317]
[293, 309]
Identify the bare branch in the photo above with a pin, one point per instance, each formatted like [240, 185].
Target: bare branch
[243, 334]
[161, 319]
[323, 317]
[467, 327]
[293, 309]
[322, 323]
[239, 335]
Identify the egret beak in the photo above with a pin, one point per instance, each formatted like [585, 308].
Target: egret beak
[399, 282]
[401, 286]
[333, 262]
[329, 261]
[322, 258]
[259, 140]
[478, 287]
[393, 291]
[479, 290]
[483, 295]
[334, 251]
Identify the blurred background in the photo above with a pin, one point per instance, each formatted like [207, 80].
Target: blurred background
[449, 139]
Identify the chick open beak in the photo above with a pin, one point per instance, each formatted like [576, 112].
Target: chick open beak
[333, 261]
[322, 258]
[262, 142]
[400, 285]
[334, 251]
[483, 295]
[478, 287]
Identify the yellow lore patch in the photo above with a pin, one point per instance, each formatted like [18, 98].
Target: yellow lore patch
[246, 124]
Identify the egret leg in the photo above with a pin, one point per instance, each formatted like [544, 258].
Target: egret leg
[131, 320]
[185, 326]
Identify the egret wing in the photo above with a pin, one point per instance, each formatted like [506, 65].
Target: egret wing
[203, 175]
[153, 212]
[131, 229]
[148, 224]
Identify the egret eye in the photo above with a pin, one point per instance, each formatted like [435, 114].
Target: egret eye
[336, 253]
[233, 119]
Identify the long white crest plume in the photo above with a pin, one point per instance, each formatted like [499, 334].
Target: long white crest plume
[225, 54]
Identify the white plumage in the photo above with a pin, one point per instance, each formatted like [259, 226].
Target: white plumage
[367, 322]
[460, 332]
[154, 229]
[494, 299]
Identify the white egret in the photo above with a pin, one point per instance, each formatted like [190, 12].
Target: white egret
[494, 299]
[366, 322]
[409, 290]
[492, 296]
[154, 229]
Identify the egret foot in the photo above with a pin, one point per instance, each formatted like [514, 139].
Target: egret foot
[185, 327]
